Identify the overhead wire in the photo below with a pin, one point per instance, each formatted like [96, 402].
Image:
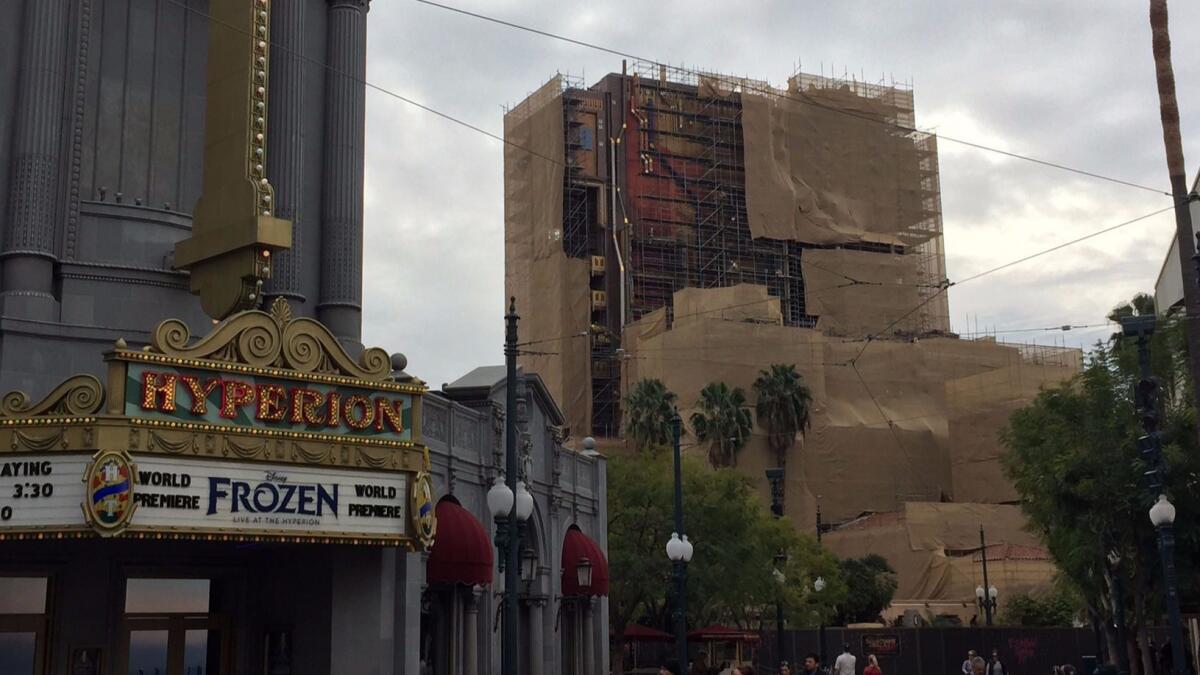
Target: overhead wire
[370, 85]
[807, 101]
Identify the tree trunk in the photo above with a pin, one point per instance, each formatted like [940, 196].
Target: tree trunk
[1169, 114]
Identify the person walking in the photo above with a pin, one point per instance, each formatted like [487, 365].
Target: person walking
[872, 666]
[966, 666]
[978, 666]
[996, 667]
[812, 664]
[844, 665]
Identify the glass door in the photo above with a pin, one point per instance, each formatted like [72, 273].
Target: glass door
[22, 625]
[168, 629]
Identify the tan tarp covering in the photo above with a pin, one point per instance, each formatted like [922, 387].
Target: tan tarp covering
[909, 420]
[536, 270]
[856, 292]
[901, 425]
[934, 549]
[822, 167]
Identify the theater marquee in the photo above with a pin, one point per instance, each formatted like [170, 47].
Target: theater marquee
[264, 429]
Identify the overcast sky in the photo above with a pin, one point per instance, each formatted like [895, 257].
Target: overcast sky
[1069, 82]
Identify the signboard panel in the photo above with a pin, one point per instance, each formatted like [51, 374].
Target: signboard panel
[42, 491]
[173, 494]
[881, 645]
[184, 494]
[186, 395]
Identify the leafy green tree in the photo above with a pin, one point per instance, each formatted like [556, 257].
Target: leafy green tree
[1059, 607]
[783, 407]
[723, 421]
[649, 411]
[872, 585]
[1074, 460]
[731, 578]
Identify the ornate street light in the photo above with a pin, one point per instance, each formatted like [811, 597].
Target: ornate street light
[679, 549]
[1162, 516]
[528, 564]
[819, 586]
[583, 573]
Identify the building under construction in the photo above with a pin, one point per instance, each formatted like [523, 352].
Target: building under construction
[674, 180]
[696, 228]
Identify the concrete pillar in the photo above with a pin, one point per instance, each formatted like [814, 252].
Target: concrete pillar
[471, 633]
[34, 197]
[285, 151]
[589, 639]
[362, 630]
[340, 304]
[410, 578]
[536, 629]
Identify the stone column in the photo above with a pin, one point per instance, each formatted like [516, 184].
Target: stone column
[410, 579]
[362, 637]
[285, 151]
[340, 304]
[33, 198]
[589, 638]
[471, 633]
[536, 629]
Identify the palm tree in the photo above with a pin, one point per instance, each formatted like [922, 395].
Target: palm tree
[1142, 304]
[723, 421]
[783, 407]
[649, 410]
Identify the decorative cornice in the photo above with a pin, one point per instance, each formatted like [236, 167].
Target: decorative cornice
[275, 340]
[79, 395]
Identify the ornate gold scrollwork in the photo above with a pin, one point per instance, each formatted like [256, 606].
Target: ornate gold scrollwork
[245, 450]
[78, 395]
[318, 456]
[276, 339]
[250, 337]
[174, 446]
[36, 442]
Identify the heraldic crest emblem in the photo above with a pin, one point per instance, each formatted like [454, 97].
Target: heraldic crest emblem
[108, 492]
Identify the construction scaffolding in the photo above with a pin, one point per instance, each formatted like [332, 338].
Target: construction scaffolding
[821, 192]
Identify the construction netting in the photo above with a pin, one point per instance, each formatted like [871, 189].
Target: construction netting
[893, 421]
[935, 550]
[537, 272]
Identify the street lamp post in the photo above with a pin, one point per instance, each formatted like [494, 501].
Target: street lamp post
[775, 477]
[510, 502]
[1162, 514]
[819, 586]
[679, 551]
[985, 594]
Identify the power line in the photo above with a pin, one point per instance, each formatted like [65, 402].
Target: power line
[997, 268]
[807, 101]
[1064, 245]
[366, 83]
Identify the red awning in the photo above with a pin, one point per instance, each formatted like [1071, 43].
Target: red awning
[723, 633]
[639, 633]
[462, 553]
[577, 546]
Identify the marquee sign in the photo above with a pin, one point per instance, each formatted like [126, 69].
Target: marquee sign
[264, 429]
[190, 395]
[188, 496]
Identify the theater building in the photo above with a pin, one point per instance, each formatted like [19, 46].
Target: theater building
[202, 470]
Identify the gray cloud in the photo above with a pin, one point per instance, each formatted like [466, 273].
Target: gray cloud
[1071, 82]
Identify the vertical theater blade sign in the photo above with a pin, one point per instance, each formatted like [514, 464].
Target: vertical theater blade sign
[108, 492]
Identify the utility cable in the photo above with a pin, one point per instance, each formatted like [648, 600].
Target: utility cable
[807, 101]
[383, 90]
